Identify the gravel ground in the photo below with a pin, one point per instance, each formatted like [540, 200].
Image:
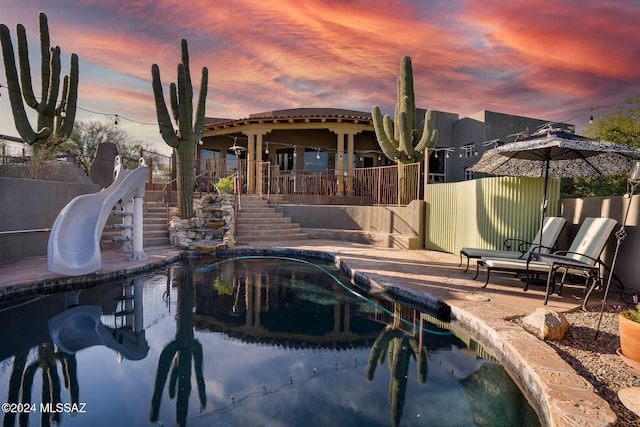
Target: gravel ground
[597, 361]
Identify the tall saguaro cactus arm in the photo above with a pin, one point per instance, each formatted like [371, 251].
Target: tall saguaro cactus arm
[198, 128]
[187, 132]
[429, 136]
[53, 121]
[382, 126]
[66, 111]
[15, 94]
[402, 139]
[25, 67]
[164, 121]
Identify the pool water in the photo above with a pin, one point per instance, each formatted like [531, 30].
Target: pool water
[245, 341]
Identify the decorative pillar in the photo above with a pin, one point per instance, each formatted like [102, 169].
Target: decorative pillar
[254, 158]
[341, 130]
[259, 163]
[350, 144]
[251, 170]
[340, 164]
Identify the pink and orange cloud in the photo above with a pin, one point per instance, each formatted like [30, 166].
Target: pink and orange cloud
[545, 59]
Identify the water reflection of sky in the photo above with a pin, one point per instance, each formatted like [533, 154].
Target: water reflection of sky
[247, 384]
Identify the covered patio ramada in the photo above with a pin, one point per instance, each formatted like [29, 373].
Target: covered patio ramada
[303, 139]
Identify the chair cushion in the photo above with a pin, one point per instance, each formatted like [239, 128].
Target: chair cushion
[515, 264]
[479, 253]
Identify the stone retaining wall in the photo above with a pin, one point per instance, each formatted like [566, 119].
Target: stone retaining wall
[212, 228]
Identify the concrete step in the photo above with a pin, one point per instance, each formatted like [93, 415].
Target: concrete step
[245, 200]
[257, 220]
[147, 228]
[256, 208]
[259, 216]
[263, 221]
[155, 241]
[268, 228]
[244, 239]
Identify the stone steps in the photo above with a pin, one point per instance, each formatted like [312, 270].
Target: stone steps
[258, 221]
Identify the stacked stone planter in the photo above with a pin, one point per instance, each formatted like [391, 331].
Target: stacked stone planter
[211, 228]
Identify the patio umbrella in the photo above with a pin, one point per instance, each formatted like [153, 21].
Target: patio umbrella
[557, 153]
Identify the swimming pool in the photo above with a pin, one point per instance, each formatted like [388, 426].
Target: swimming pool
[244, 341]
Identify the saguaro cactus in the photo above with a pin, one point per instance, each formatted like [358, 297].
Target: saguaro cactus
[55, 123]
[403, 140]
[185, 137]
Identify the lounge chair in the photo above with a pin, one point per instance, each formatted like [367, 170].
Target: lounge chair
[517, 248]
[582, 258]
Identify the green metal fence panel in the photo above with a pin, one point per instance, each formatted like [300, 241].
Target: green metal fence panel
[483, 212]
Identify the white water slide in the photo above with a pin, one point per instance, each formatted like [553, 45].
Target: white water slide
[74, 242]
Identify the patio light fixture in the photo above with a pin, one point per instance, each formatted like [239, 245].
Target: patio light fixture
[236, 149]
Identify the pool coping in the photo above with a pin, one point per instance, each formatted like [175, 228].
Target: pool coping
[559, 395]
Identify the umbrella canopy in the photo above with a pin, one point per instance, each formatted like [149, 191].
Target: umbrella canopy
[557, 153]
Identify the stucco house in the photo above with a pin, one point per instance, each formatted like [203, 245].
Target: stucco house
[304, 139]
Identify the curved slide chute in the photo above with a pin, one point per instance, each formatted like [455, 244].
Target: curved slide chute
[80, 327]
[74, 242]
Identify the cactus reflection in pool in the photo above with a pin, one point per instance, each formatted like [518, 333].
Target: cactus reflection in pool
[22, 378]
[178, 354]
[400, 347]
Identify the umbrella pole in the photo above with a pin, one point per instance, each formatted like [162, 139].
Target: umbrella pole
[621, 234]
[543, 207]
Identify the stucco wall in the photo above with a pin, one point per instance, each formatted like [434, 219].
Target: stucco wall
[32, 204]
[627, 267]
[369, 221]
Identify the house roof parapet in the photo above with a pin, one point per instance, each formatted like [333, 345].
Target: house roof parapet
[298, 115]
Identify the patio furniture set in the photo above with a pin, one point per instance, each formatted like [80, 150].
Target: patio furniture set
[582, 259]
[559, 153]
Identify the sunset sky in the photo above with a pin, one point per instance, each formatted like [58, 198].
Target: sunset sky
[559, 60]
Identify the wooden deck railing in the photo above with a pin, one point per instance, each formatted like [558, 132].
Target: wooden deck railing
[383, 185]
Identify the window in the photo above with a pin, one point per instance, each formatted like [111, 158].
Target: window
[468, 150]
[210, 156]
[286, 158]
[437, 166]
[468, 174]
[315, 159]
